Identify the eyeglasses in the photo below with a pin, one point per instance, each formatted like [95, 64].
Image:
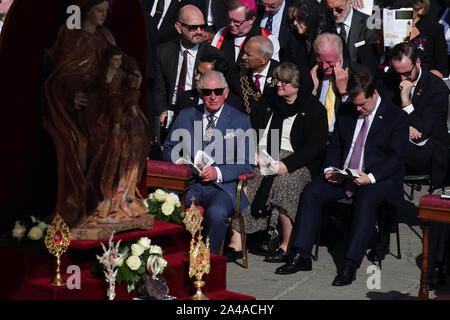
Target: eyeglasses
[338, 10]
[191, 27]
[271, 6]
[217, 91]
[407, 73]
[236, 23]
[283, 83]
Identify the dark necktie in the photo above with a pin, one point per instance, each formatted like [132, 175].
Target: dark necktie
[159, 11]
[269, 23]
[355, 158]
[183, 73]
[209, 132]
[343, 33]
[257, 83]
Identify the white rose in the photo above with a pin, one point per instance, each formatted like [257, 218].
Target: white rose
[43, 226]
[18, 231]
[35, 233]
[133, 263]
[137, 250]
[173, 198]
[167, 208]
[145, 242]
[156, 250]
[160, 195]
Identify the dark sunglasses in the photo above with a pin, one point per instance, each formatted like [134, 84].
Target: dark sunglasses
[217, 91]
[407, 73]
[194, 27]
[271, 6]
[338, 10]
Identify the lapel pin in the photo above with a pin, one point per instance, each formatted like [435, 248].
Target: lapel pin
[381, 117]
[303, 113]
[192, 98]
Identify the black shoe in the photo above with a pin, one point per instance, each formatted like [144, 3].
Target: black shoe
[259, 248]
[379, 252]
[278, 256]
[345, 276]
[232, 254]
[295, 263]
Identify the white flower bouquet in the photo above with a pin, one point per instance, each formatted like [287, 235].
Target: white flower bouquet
[165, 206]
[28, 232]
[142, 258]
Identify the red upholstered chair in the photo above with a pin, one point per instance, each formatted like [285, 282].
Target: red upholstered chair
[161, 174]
[237, 215]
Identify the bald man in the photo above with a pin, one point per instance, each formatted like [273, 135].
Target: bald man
[176, 61]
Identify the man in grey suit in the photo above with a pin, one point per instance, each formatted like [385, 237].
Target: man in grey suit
[176, 61]
[219, 130]
[360, 42]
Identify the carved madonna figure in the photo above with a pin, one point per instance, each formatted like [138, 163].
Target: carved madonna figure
[101, 135]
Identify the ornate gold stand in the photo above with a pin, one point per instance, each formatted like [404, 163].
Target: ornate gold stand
[199, 255]
[57, 241]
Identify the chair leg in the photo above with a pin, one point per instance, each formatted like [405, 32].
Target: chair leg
[243, 242]
[316, 250]
[397, 231]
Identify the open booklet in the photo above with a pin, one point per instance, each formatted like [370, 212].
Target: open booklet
[201, 160]
[345, 172]
[264, 159]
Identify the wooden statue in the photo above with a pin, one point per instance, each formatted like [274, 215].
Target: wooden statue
[101, 135]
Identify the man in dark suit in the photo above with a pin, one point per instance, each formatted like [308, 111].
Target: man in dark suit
[370, 137]
[211, 127]
[424, 98]
[178, 60]
[242, 25]
[360, 42]
[273, 16]
[253, 78]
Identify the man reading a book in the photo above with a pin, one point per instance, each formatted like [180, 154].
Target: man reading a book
[370, 138]
[213, 133]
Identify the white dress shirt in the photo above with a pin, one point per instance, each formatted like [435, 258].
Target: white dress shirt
[359, 124]
[276, 20]
[191, 56]
[239, 40]
[210, 18]
[166, 6]
[216, 116]
[410, 108]
[347, 24]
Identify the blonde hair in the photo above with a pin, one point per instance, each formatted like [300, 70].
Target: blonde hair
[289, 73]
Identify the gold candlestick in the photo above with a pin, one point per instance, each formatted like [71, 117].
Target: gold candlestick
[57, 241]
[199, 255]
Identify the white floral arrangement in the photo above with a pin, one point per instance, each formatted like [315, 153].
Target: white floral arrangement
[28, 232]
[142, 257]
[165, 206]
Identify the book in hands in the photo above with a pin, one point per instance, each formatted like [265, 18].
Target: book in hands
[264, 159]
[347, 172]
[202, 160]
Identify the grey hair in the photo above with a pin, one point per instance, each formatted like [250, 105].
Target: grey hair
[265, 45]
[327, 40]
[212, 73]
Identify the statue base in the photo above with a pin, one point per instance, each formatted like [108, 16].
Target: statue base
[103, 231]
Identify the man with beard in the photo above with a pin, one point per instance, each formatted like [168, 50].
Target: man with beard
[241, 27]
[424, 97]
[359, 41]
[176, 61]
